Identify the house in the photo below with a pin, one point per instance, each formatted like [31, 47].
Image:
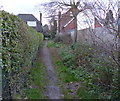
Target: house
[32, 21]
[65, 22]
[84, 20]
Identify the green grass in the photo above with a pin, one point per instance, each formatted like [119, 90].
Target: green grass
[37, 82]
[34, 93]
[64, 73]
[51, 43]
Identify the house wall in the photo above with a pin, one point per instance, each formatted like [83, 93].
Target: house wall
[70, 26]
[96, 24]
[63, 21]
[85, 20]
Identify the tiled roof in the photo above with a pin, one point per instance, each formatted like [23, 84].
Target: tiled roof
[27, 17]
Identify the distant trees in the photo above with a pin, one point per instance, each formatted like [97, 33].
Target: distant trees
[53, 27]
[46, 31]
[51, 30]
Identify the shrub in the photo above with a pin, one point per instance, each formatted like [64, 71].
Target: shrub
[19, 47]
[66, 38]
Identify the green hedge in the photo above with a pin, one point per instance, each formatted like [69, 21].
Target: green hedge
[19, 47]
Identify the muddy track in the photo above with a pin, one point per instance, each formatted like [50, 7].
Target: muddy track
[52, 89]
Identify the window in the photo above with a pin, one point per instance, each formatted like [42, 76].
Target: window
[32, 23]
[71, 14]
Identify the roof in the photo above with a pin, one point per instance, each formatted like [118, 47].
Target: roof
[28, 17]
[68, 22]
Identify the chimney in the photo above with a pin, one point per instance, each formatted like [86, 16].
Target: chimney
[41, 17]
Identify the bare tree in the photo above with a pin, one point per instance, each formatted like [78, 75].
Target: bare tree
[107, 14]
[53, 7]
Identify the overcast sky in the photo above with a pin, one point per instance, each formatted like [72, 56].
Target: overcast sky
[23, 6]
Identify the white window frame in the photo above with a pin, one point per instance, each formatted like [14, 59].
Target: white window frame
[32, 23]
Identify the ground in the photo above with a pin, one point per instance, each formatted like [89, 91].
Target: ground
[52, 89]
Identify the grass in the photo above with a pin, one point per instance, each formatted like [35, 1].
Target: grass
[34, 93]
[51, 43]
[64, 73]
[37, 82]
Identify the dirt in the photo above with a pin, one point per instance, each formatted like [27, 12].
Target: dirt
[52, 89]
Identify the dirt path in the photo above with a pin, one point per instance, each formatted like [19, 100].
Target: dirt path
[52, 89]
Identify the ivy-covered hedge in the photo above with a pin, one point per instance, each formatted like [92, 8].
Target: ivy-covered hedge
[19, 47]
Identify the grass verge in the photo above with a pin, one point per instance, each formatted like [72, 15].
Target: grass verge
[37, 82]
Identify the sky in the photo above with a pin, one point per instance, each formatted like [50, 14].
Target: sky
[24, 7]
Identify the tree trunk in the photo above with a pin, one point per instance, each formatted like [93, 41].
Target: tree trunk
[119, 44]
[74, 12]
[75, 18]
[118, 58]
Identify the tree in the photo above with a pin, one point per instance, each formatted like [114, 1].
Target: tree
[53, 7]
[108, 21]
[46, 31]
[53, 27]
[108, 14]
[119, 39]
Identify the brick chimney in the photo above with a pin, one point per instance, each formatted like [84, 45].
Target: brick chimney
[41, 17]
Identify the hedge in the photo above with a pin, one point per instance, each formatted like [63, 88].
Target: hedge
[19, 47]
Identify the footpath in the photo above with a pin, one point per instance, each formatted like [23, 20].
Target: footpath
[52, 89]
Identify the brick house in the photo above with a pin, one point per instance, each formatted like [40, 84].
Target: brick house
[66, 22]
[32, 21]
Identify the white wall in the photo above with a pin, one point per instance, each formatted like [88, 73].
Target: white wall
[100, 36]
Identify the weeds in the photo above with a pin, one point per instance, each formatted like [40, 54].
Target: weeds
[95, 69]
